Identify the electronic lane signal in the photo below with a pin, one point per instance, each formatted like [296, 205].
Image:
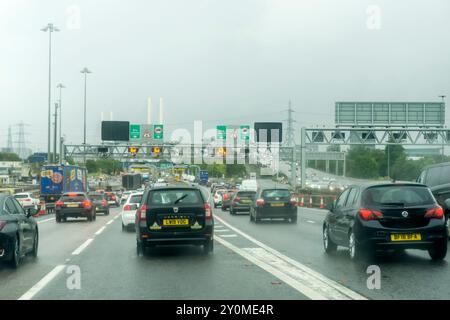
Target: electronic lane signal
[133, 150]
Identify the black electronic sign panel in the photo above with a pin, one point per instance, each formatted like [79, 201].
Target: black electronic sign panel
[115, 130]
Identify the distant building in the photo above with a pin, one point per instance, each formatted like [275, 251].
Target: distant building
[10, 171]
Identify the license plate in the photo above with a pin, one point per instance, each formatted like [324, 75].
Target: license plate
[277, 204]
[406, 237]
[72, 205]
[175, 222]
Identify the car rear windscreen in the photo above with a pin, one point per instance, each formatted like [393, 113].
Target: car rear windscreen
[174, 197]
[246, 194]
[79, 198]
[276, 193]
[136, 198]
[96, 197]
[397, 196]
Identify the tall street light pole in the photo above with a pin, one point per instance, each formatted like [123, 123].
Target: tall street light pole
[85, 71]
[55, 133]
[60, 87]
[50, 28]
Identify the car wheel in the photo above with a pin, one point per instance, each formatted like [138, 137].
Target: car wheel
[34, 252]
[139, 249]
[90, 218]
[257, 219]
[447, 223]
[208, 247]
[328, 244]
[438, 251]
[58, 219]
[354, 247]
[294, 220]
[107, 213]
[123, 227]
[15, 259]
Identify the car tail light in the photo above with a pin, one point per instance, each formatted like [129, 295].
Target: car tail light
[59, 203]
[260, 202]
[2, 225]
[367, 214]
[226, 196]
[127, 207]
[435, 213]
[293, 202]
[114, 198]
[208, 211]
[142, 213]
[87, 204]
[237, 199]
[104, 202]
[27, 200]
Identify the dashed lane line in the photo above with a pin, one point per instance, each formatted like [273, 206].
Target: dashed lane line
[82, 247]
[42, 283]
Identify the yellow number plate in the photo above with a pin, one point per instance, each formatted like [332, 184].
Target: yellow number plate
[72, 205]
[277, 204]
[175, 222]
[406, 237]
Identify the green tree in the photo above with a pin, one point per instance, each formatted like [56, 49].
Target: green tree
[9, 156]
[361, 163]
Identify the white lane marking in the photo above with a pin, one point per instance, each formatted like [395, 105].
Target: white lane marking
[314, 210]
[46, 220]
[228, 235]
[310, 221]
[100, 230]
[42, 283]
[109, 222]
[116, 217]
[222, 230]
[317, 277]
[277, 273]
[82, 247]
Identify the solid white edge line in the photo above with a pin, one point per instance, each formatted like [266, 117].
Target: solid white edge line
[109, 222]
[82, 247]
[46, 220]
[346, 291]
[42, 283]
[306, 291]
[99, 231]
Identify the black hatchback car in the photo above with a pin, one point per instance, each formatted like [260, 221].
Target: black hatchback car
[18, 231]
[242, 201]
[274, 203]
[74, 205]
[386, 216]
[100, 202]
[174, 215]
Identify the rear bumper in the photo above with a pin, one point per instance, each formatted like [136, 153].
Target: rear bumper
[174, 238]
[373, 236]
[73, 213]
[281, 213]
[239, 208]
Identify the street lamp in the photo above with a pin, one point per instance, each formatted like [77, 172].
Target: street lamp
[50, 28]
[60, 87]
[56, 132]
[85, 71]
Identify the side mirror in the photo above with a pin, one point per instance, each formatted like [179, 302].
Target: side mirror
[32, 211]
[330, 207]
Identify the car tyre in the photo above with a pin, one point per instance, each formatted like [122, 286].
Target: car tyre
[354, 248]
[208, 247]
[328, 244]
[140, 249]
[438, 251]
[107, 213]
[294, 220]
[257, 219]
[58, 219]
[15, 259]
[34, 252]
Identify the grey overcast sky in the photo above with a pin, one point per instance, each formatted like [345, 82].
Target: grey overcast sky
[221, 61]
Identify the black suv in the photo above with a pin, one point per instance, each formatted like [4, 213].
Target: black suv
[174, 215]
[74, 205]
[274, 203]
[437, 177]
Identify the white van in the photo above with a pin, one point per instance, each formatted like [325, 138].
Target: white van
[249, 185]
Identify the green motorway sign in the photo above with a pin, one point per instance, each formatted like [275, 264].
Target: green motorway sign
[158, 132]
[245, 133]
[221, 132]
[135, 131]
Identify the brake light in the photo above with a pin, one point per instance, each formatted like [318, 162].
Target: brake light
[27, 199]
[367, 214]
[2, 225]
[127, 208]
[435, 213]
[208, 211]
[293, 202]
[114, 198]
[237, 199]
[59, 203]
[87, 204]
[141, 213]
[226, 196]
[260, 202]
[104, 202]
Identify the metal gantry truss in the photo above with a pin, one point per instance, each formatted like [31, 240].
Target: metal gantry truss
[378, 136]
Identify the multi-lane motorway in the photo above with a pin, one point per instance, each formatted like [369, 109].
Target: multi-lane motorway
[270, 260]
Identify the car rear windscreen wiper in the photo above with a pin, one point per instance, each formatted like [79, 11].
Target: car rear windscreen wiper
[180, 198]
